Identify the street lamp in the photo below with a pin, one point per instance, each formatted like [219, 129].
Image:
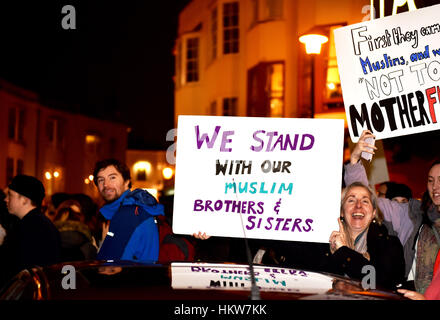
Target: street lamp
[313, 40]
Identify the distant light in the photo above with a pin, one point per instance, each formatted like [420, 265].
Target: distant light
[91, 138]
[313, 42]
[167, 173]
[47, 175]
[56, 174]
[91, 177]
[142, 165]
[86, 181]
[331, 86]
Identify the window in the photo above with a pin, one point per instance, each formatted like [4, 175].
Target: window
[213, 108]
[214, 34]
[266, 10]
[9, 170]
[333, 91]
[266, 90]
[192, 60]
[93, 144]
[16, 122]
[55, 132]
[11, 123]
[230, 28]
[230, 106]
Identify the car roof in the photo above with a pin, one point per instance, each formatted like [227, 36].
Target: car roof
[122, 280]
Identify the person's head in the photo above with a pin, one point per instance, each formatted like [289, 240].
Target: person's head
[399, 192]
[69, 210]
[432, 193]
[112, 178]
[382, 189]
[358, 208]
[24, 194]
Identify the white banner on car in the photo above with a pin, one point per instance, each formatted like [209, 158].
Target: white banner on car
[267, 178]
[390, 73]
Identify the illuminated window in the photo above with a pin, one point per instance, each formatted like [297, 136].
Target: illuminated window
[93, 143]
[142, 169]
[333, 91]
[266, 90]
[276, 92]
[192, 60]
[230, 28]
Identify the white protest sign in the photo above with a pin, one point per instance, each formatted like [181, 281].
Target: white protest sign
[267, 178]
[237, 277]
[390, 73]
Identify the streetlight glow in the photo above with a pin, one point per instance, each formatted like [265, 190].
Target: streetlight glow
[313, 42]
[47, 175]
[167, 173]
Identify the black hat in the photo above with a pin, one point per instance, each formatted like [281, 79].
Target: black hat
[29, 187]
[398, 190]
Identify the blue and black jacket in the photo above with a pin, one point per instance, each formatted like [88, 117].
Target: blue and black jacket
[133, 233]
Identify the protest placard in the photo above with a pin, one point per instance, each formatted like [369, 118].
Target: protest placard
[390, 71]
[267, 178]
[237, 277]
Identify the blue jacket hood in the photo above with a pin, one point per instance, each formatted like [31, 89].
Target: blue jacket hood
[137, 197]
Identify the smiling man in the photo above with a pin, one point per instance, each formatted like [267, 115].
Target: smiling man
[132, 232]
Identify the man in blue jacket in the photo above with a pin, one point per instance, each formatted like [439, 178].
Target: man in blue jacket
[132, 233]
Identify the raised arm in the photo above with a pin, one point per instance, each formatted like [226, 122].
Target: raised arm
[394, 212]
[355, 171]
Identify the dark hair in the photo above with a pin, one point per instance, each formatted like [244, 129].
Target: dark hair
[426, 199]
[398, 190]
[119, 166]
[66, 206]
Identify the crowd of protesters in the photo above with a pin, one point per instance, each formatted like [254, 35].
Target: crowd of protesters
[387, 229]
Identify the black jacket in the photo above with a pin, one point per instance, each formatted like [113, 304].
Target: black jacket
[386, 255]
[35, 241]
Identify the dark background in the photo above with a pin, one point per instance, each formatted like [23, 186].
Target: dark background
[116, 65]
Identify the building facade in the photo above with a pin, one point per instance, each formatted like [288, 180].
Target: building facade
[244, 58]
[58, 147]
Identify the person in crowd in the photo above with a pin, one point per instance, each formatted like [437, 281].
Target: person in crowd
[382, 189]
[413, 222]
[398, 192]
[362, 240]
[50, 205]
[431, 293]
[91, 214]
[132, 232]
[77, 242]
[35, 241]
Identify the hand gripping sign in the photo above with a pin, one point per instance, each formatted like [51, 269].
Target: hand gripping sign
[390, 73]
[267, 178]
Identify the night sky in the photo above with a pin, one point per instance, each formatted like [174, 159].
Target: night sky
[116, 65]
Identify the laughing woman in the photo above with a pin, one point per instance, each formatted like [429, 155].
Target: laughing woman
[416, 223]
[362, 241]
